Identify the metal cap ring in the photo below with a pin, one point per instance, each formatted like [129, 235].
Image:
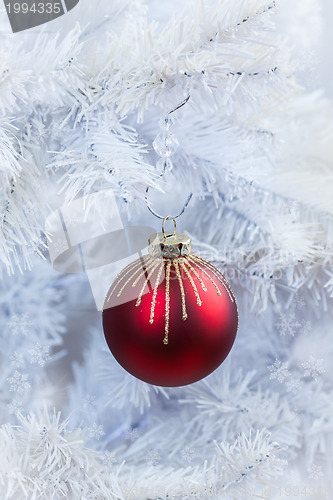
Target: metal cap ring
[174, 226]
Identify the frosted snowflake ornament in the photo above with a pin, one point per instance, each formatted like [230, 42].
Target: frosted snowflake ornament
[39, 354]
[313, 367]
[20, 324]
[18, 382]
[287, 324]
[279, 371]
[96, 431]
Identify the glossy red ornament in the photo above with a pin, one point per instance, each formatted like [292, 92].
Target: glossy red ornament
[170, 318]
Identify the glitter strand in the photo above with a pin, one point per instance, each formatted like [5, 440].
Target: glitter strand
[130, 278]
[167, 303]
[146, 269]
[182, 293]
[208, 276]
[131, 266]
[219, 276]
[151, 272]
[155, 293]
[192, 283]
[203, 286]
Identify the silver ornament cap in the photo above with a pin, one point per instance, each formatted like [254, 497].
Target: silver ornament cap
[169, 246]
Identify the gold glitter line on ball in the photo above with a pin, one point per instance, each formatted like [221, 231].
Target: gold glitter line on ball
[216, 273]
[203, 286]
[214, 269]
[167, 303]
[140, 268]
[182, 293]
[152, 310]
[131, 267]
[147, 268]
[192, 282]
[208, 276]
[151, 272]
[219, 276]
[121, 276]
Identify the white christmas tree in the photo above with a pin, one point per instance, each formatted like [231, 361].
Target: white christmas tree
[80, 113]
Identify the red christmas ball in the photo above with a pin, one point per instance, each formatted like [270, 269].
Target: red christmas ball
[170, 321]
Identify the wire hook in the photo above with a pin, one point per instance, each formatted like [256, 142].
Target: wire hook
[170, 216]
[179, 105]
[191, 194]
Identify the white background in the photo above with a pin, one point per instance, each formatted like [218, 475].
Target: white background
[326, 63]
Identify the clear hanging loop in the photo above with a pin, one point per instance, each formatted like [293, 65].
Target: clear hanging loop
[167, 123]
